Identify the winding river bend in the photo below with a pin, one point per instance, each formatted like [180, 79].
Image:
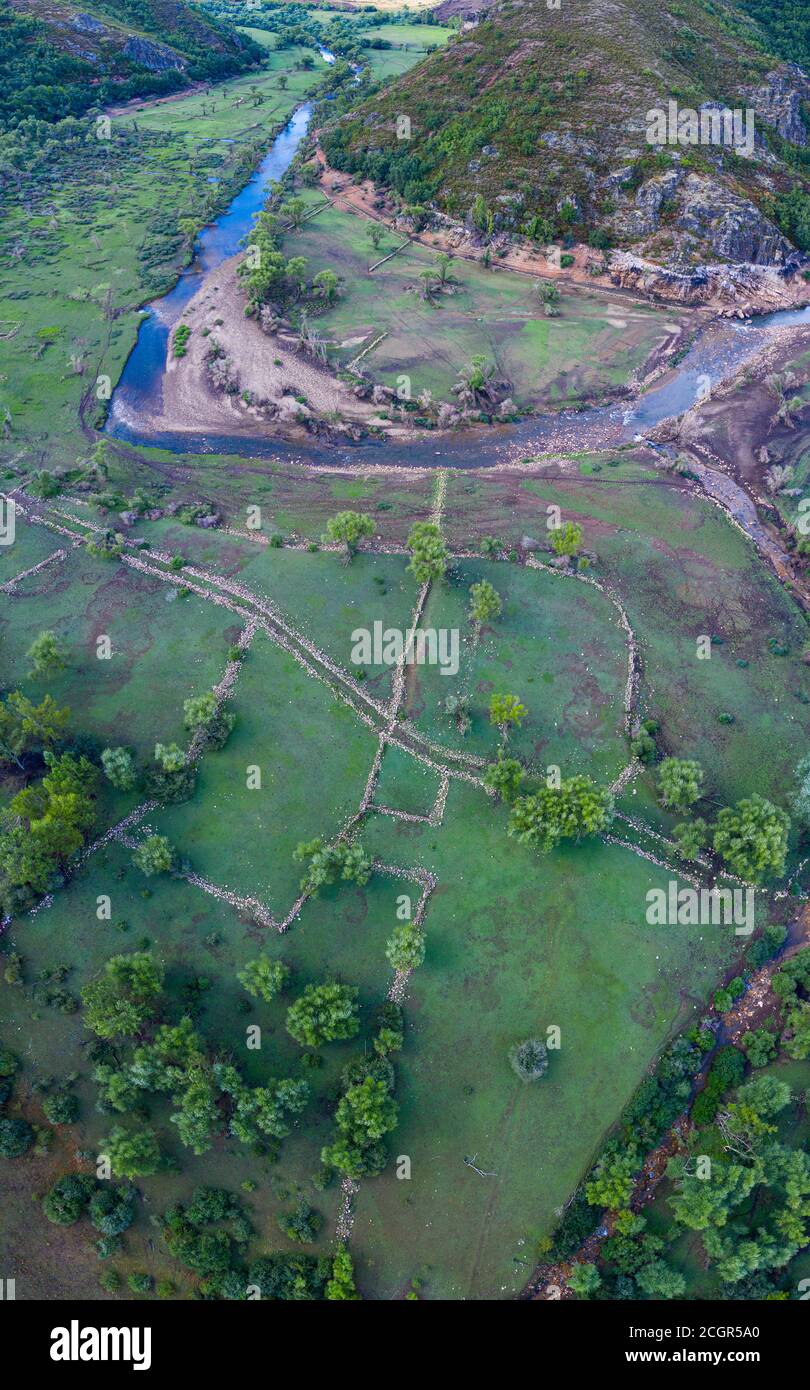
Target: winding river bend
[720, 350]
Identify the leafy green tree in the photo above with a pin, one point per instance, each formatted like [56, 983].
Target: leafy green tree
[68, 1198]
[341, 1287]
[348, 529]
[46, 654]
[486, 603]
[264, 978]
[659, 1280]
[428, 551]
[504, 778]
[326, 285]
[759, 1046]
[375, 233]
[406, 947]
[154, 855]
[119, 768]
[302, 1224]
[25, 726]
[506, 711]
[584, 1279]
[261, 1112]
[118, 1002]
[329, 863]
[680, 782]
[752, 838]
[690, 837]
[576, 808]
[567, 539]
[324, 1013]
[613, 1180]
[529, 1059]
[15, 1137]
[206, 714]
[112, 1209]
[132, 1153]
[61, 1107]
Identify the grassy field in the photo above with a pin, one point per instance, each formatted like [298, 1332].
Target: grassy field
[160, 643]
[589, 349]
[516, 943]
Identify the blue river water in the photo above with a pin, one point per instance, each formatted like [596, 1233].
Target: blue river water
[718, 352]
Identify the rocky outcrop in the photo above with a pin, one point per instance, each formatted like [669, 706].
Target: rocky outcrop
[779, 102]
[737, 286]
[153, 56]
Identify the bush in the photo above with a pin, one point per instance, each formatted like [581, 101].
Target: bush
[727, 1071]
[529, 1059]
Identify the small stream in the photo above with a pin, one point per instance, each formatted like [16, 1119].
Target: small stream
[720, 350]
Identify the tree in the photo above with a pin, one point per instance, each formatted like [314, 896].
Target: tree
[15, 1137]
[118, 1002]
[567, 539]
[658, 1280]
[428, 551]
[752, 838]
[25, 726]
[326, 284]
[504, 778]
[486, 604]
[112, 1209]
[154, 855]
[680, 782]
[324, 1013]
[576, 808]
[584, 1279]
[302, 1224]
[119, 768]
[61, 1107]
[505, 711]
[374, 232]
[690, 837]
[46, 653]
[132, 1153]
[406, 947]
[328, 863]
[208, 715]
[67, 1199]
[549, 295]
[349, 528]
[341, 1287]
[529, 1059]
[294, 208]
[264, 978]
[759, 1046]
[613, 1180]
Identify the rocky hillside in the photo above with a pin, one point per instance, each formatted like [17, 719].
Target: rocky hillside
[59, 59]
[536, 120]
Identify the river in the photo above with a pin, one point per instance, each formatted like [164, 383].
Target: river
[720, 350]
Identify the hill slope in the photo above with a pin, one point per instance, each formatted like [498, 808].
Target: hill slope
[59, 59]
[544, 113]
